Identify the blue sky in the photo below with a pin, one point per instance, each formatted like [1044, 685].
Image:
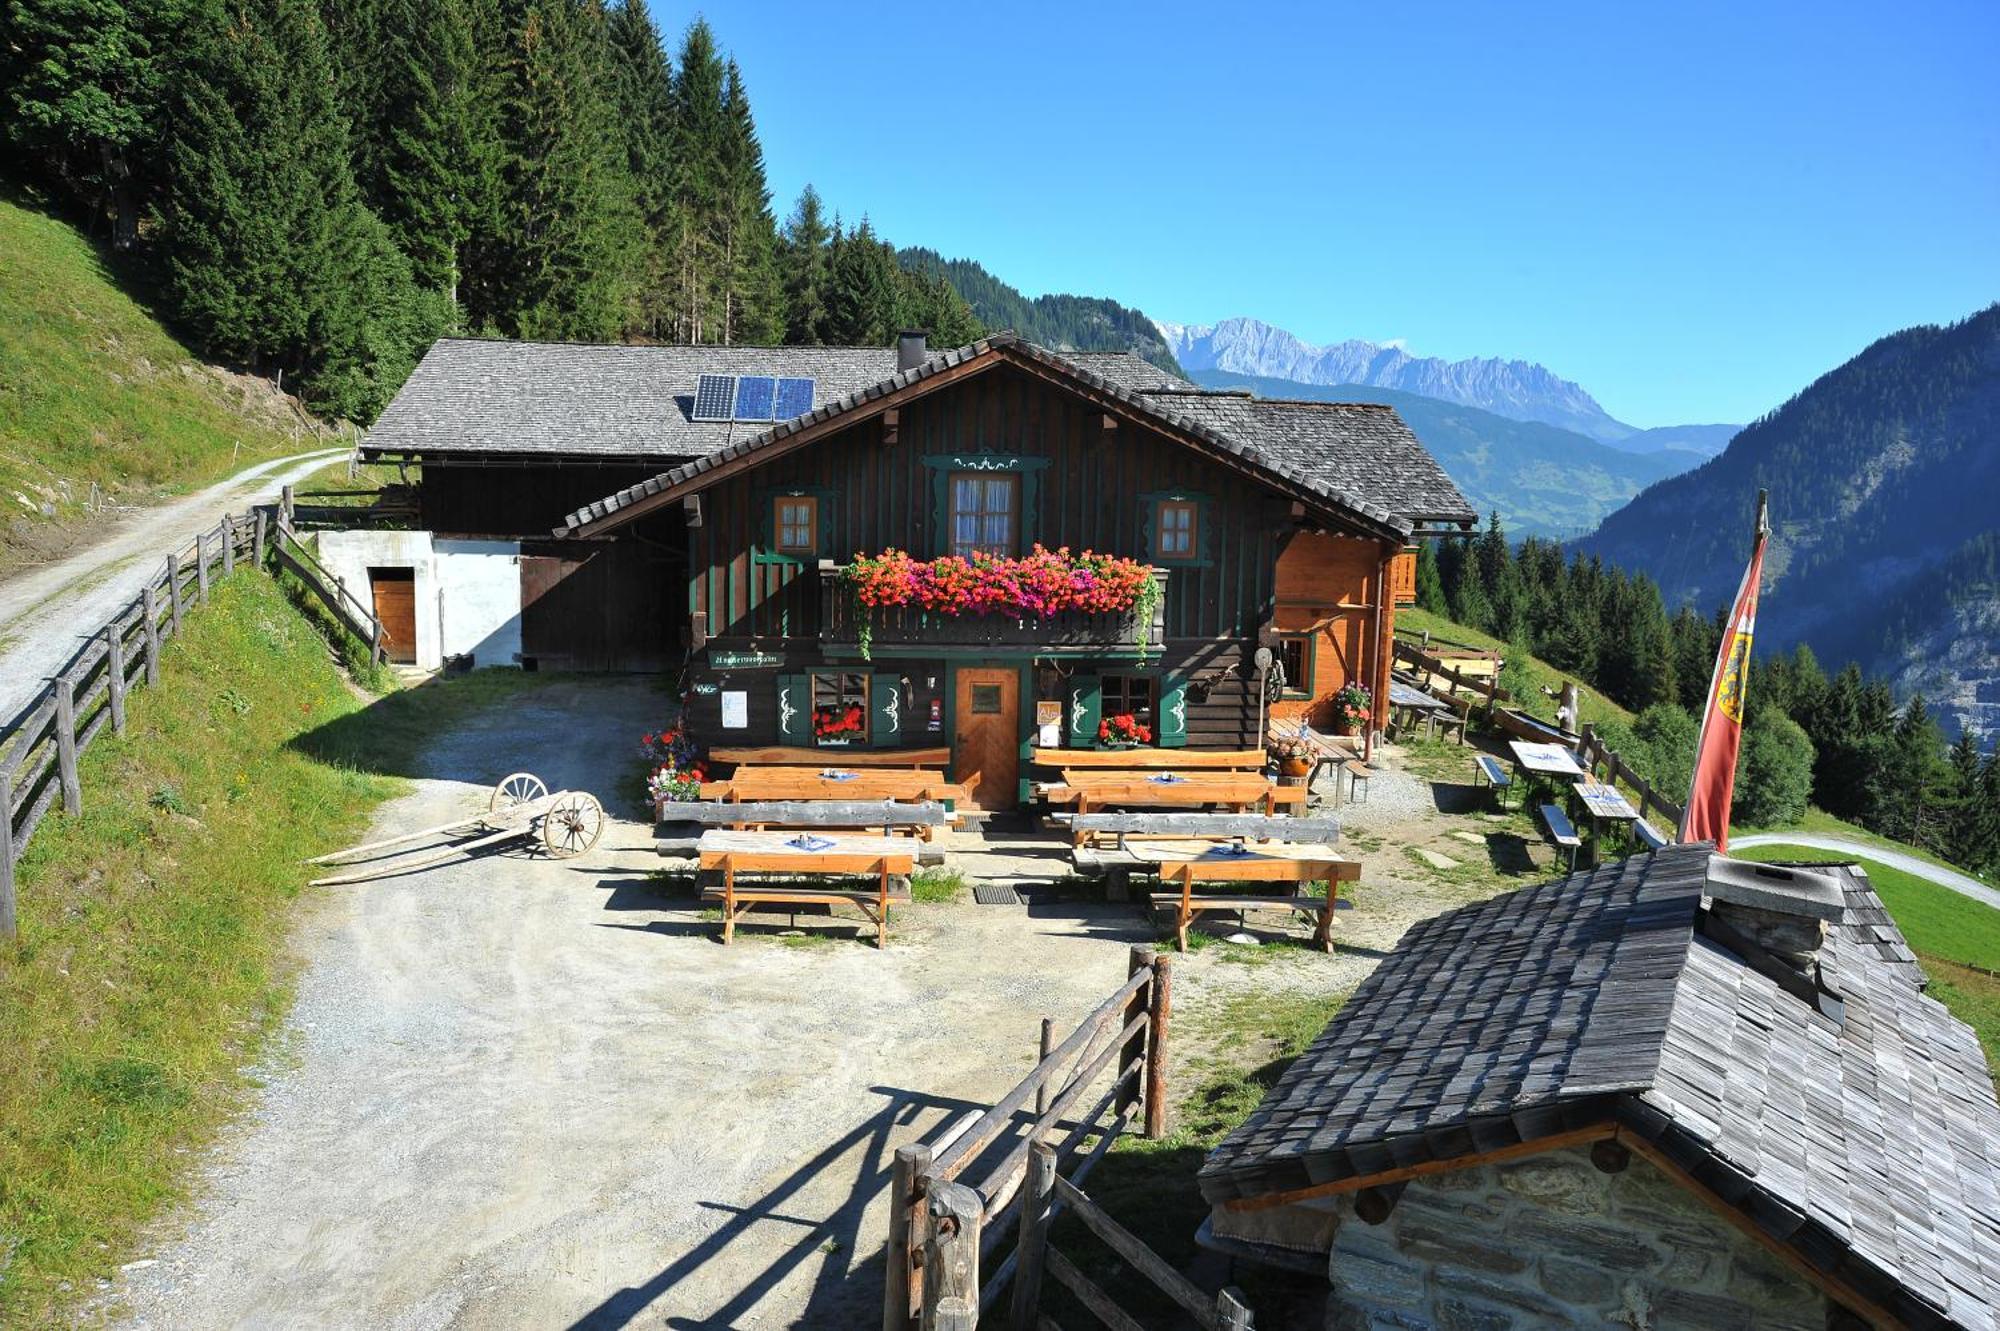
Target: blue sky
[1691, 209]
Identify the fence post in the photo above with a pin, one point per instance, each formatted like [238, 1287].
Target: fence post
[1158, 1010]
[72, 788]
[1038, 1197]
[8, 929]
[201, 568]
[953, 1216]
[1138, 959]
[285, 502]
[174, 593]
[258, 540]
[114, 642]
[149, 607]
[1048, 1042]
[903, 1292]
[228, 544]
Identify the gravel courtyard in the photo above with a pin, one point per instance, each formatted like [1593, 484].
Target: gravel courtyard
[520, 1092]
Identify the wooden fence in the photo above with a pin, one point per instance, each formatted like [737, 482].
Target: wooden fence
[291, 554]
[944, 1229]
[1430, 669]
[40, 748]
[1593, 754]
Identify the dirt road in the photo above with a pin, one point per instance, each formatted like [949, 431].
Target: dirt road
[532, 1093]
[1963, 884]
[45, 610]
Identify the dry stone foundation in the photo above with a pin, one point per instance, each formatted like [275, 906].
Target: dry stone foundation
[1551, 1241]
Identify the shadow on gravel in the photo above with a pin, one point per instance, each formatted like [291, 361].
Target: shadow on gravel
[846, 1292]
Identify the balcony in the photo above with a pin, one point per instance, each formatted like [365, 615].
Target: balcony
[1073, 633]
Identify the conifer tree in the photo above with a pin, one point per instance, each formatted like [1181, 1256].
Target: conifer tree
[1430, 582]
[803, 270]
[700, 132]
[861, 305]
[752, 302]
[643, 90]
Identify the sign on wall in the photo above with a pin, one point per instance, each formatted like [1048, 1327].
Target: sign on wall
[744, 660]
[735, 710]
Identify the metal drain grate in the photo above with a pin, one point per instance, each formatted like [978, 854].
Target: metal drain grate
[995, 894]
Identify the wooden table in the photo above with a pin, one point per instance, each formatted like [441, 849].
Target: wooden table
[1604, 803]
[889, 860]
[798, 783]
[721, 840]
[1408, 698]
[1545, 759]
[1182, 864]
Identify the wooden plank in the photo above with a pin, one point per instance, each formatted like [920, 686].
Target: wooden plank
[9, 929]
[150, 618]
[115, 648]
[804, 813]
[801, 756]
[1556, 1141]
[72, 786]
[1261, 868]
[1216, 826]
[908, 1186]
[818, 862]
[1150, 760]
[1199, 1304]
[1101, 1305]
[951, 1258]
[1032, 1240]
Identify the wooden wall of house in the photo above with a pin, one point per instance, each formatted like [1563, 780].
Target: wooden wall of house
[1089, 495]
[515, 501]
[1332, 585]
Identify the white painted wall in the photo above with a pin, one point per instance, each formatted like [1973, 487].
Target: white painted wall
[468, 593]
[479, 604]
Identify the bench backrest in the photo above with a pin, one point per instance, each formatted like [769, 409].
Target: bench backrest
[1151, 760]
[775, 783]
[804, 813]
[793, 755]
[1258, 869]
[1560, 826]
[852, 862]
[1494, 771]
[1325, 831]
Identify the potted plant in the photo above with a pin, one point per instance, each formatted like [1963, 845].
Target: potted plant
[1352, 707]
[1294, 757]
[675, 767]
[838, 724]
[1123, 731]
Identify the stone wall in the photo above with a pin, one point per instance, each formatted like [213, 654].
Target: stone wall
[1553, 1241]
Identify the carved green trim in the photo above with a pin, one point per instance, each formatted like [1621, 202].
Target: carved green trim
[1029, 469]
[1204, 518]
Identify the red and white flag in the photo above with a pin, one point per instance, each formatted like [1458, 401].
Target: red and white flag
[1707, 816]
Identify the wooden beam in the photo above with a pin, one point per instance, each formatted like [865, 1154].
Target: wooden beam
[1519, 1150]
[1110, 423]
[907, 1188]
[892, 422]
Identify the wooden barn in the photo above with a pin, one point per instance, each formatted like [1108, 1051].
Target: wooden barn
[1266, 524]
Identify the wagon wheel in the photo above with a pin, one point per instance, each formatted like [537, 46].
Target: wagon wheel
[573, 824]
[520, 788]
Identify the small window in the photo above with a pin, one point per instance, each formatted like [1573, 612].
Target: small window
[797, 522]
[840, 709]
[1126, 695]
[986, 700]
[1295, 657]
[984, 510]
[1175, 528]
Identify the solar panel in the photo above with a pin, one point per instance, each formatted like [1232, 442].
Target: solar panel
[795, 398]
[754, 393]
[713, 394]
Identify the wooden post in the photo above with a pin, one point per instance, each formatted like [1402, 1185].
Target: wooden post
[149, 608]
[908, 1180]
[72, 787]
[174, 593]
[1231, 1313]
[375, 652]
[114, 661]
[285, 503]
[953, 1215]
[1048, 1042]
[1159, 1009]
[228, 545]
[258, 540]
[1140, 958]
[201, 568]
[1038, 1197]
[8, 930]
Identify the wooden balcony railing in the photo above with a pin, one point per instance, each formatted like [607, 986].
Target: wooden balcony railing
[898, 626]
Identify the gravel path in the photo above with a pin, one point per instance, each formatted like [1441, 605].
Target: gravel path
[1895, 859]
[529, 1093]
[43, 610]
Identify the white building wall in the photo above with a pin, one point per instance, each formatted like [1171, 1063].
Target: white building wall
[468, 593]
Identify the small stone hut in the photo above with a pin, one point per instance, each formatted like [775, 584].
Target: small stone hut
[1675, 1091]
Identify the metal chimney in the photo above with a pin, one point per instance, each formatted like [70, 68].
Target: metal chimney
[910, 349]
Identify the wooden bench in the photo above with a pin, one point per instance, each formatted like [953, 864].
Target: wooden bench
[1562, 831]
[737, 897]
[893, 818]
[1496, 774]
[784, 784]
[1651, 837]
[1294, 874]
[1090, 827]
[1358, 776]
[1237, 791]
[799, 755]
[1150, 760]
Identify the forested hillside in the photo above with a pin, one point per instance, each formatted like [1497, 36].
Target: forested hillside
[1543, 480]
[1063, 322]
[1882, 477]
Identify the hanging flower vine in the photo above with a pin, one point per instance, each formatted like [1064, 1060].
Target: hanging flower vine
[1033, 586]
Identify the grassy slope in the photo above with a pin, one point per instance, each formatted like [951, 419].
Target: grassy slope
[93, 389]
[1596, 707]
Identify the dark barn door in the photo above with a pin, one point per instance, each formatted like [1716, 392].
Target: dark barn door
[394, 592]
[599, 605]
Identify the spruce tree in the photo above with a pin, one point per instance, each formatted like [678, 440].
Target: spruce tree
[643, 90]
[861, 305]
[701, 131]
[1430, 582]
[803, 270]
[746, 244]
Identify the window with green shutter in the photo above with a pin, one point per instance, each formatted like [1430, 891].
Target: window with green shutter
[794, 709]
[885, 692]
[1171, 730]
[1082, 709]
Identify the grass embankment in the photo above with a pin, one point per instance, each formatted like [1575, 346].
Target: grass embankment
[152, 962]
[94, 391]
[1957, 938]
[1597, 708]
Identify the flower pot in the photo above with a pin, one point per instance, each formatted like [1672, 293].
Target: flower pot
[1295, 767]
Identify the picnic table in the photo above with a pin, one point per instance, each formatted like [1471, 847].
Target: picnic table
[1604, 803]
[1178, 790]
[1545, 759]
[1284, 868]
[889, 860]
[831, 783]
[1414, 702]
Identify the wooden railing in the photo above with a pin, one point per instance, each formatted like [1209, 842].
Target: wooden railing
[1593, 754]
[1429, 669]
[40, 747]
[841, 622]
[944, 1229]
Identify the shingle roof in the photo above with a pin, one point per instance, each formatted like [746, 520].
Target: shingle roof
[565, 399]
[1870, 1144]
[1108, 373]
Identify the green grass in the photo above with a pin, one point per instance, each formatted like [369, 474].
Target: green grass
[1596, 707]
[1974, 998]
[1937, 921]
[936, 885]
[1821, 823]
[152, 963]
[94, 390]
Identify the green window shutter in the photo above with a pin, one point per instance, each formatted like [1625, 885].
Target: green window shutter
[885, 711]
[1171, 732]
[794, 709]
[1084, 705]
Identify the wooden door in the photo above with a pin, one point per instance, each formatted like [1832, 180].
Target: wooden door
[986, 759]
[394, 591]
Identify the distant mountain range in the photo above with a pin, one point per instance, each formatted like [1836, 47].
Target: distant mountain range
[1884, 476]
[1542, 479]
[1059, 322]
[1516, 389]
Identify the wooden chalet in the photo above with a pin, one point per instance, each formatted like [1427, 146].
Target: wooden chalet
[1276, 524]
